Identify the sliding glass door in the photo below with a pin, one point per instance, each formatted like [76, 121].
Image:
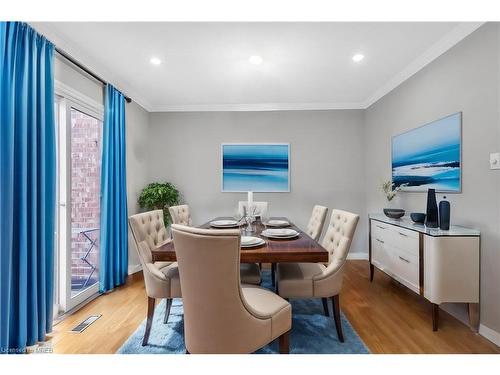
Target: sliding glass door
[80, 133]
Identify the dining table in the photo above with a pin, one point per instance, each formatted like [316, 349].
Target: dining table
[301, 248]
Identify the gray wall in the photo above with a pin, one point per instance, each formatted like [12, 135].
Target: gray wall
[463, 79]
[66, 73]
[137, 120]
[326, 160]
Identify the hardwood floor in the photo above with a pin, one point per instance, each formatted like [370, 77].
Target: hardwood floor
[122, 311]
[387, 316]
[392, 319]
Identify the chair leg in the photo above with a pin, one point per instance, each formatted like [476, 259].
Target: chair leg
[167, 310]
[149, 322]
[273, 275]
[325, 306]
[336, 316]
[284, 341]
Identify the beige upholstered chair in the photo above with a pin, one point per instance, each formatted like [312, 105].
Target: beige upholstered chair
[161, 278]
[220, 314]
[316, 222]
[250, 272]
[261, 208]
[310, 280]
[180, 215]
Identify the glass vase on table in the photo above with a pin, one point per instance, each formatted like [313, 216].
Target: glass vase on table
[250, 219]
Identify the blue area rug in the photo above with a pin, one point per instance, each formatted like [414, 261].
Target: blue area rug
[312, 331]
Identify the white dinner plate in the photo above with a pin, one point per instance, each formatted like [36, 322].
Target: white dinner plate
[277, 223]
[250, 241]
[224, 223]
[280, 233]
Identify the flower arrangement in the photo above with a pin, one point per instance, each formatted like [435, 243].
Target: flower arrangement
[391, 191]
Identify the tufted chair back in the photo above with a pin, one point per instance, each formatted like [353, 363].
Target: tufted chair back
[148, 227]
[338, 237]
[217, 317]
[261, 208]
[181, 215]
[316, 222]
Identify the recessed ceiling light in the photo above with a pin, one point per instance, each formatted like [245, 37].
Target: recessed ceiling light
[155, 61]
[255, 59]
[358, 57]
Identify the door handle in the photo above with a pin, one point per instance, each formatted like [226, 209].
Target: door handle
[378, 226]
[404, 260]
[402, 234]
[380, 240]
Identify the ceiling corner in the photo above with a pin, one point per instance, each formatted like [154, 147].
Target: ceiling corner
[452, 38]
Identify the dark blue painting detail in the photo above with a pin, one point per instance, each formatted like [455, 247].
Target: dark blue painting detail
[429, 156]
[255, 167]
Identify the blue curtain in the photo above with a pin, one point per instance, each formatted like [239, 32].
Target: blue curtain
[27, 186]
[114, 230]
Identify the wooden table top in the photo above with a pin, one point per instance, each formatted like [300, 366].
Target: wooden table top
[300, 249]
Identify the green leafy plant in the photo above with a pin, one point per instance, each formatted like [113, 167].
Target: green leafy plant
[157, 196]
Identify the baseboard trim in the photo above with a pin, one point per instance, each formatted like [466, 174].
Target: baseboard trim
[490, 334]
[134, 268]
[357, 256]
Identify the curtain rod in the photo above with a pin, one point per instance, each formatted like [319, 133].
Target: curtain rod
[85, 69]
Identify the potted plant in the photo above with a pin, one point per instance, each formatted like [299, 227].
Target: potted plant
[157, 196]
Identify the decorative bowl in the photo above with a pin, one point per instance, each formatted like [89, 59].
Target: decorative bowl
[418, 217]
[394, 213]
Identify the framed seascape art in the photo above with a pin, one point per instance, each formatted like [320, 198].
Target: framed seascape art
[256, 167]
[429, 156]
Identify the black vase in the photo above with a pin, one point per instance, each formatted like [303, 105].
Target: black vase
[431, 219]
[444, 214]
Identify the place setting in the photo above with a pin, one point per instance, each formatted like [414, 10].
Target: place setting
[280, 233]
[225, 223]
[251, 241]
[277, 223]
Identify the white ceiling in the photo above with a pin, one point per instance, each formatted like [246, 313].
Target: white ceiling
[205, 65]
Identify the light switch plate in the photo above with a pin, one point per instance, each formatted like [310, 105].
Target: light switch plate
[495, 160]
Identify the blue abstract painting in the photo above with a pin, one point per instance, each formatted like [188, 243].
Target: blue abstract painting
[429, 156]
[255, 167]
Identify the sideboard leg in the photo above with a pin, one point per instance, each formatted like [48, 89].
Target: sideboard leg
[372, 270]
[474, 316]
[435, 316]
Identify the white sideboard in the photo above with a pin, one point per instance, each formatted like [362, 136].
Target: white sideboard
[442, 266]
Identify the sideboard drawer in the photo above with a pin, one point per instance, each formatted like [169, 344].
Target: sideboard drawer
[380, 256]
[406, 267]
[405, 239]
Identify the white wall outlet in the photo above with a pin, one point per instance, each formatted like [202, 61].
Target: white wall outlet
[495, 160]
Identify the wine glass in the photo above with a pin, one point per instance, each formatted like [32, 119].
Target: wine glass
[264, 217]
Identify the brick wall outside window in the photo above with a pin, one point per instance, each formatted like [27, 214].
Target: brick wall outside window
[85, 191]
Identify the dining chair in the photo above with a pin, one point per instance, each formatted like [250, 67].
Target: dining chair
[180, 214]
[315, 280]
[250, 272]
[161, 278]
[261, 208]
[220, 314]
[316, 222]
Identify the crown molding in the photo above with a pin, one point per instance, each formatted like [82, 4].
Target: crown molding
[461, 31]
[437, 49]
[257, 107]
